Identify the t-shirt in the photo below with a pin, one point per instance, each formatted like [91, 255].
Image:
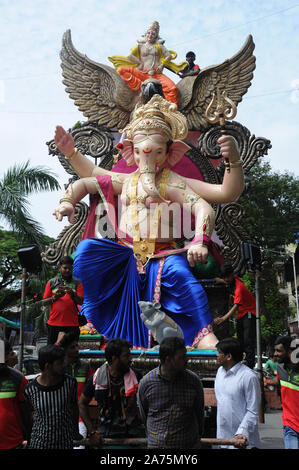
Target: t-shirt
[12, 384]
[53, 426]
[289, 387]
[188, 69]
[63, 312]
[244, 298]
[271, 366]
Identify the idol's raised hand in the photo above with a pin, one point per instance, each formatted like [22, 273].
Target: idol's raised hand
[228, 147]
[64, 140]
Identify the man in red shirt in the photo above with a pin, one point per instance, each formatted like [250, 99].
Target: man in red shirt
[245, 307]
[288, 377]
[14, 413]
[192, 68]
[63, 293]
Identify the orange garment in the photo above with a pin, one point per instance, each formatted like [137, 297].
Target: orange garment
[134, 77]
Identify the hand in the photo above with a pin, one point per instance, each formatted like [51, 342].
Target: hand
[197, 253]
[228, 148]
[58, 294]
[219, 280]
[69, 291]
[64, 141]
[242, 441]
[61, 335]
[95, 440]
[65, 208]
[218, 320]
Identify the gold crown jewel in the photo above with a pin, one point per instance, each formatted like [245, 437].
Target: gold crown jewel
[158, 115]
[154, 26]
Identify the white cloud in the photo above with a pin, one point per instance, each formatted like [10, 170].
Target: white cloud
[295, 93]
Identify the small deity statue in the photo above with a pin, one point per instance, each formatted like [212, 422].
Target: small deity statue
[147, 60]
[142, 261]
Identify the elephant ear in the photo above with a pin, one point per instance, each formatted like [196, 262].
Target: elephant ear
[126, 150]
[176, 152]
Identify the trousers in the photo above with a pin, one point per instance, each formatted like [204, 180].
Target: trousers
[246, 333]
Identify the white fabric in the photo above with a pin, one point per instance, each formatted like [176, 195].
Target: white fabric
[238, 397]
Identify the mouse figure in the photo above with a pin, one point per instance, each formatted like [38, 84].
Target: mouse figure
[160, 324]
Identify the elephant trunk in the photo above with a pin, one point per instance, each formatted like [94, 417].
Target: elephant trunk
[147, 177]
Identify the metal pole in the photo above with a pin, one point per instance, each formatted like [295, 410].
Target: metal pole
[142, 442]
[259, 344]
[295, 284]
[22, 319]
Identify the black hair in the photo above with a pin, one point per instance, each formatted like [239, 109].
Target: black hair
[69, 338]
[190, 53]
[168, 145]
[115, 347]
[169, 346]
[66, 260]
[285, 341]
[49, 354]
[226, 269]
[231, 346]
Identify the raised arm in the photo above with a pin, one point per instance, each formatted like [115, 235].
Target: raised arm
[233, 180]
[82, 165]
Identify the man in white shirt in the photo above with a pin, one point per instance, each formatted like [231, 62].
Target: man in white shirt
[238, 395]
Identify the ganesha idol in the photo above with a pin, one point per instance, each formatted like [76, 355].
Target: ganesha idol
[142, 260]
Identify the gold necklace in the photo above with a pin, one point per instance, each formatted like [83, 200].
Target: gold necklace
[145, 249]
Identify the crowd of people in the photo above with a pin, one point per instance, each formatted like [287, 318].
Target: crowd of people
[164, 408]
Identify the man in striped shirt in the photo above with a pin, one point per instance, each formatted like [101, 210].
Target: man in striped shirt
[171, 400]
[52, 397]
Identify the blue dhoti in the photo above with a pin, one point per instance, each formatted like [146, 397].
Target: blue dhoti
[112, 288]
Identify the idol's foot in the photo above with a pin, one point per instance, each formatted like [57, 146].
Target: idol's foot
[207, 342]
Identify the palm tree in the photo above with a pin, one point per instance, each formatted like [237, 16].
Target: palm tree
[17, 184]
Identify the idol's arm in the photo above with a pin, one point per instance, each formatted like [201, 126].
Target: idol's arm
[204, 226]
[134, 59]
[82, 165]
[167, 55]
[178, 191]
[74, 193]
[233, 180]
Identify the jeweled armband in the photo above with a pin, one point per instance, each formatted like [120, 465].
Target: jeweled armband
[72, 155]
[68, 196]
[191, 199]
[229, 165]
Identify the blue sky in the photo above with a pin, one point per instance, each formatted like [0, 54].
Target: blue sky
[33, 99]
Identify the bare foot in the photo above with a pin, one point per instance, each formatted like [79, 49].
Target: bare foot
[208, 342]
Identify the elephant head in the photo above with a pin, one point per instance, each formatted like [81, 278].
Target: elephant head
[152, 140]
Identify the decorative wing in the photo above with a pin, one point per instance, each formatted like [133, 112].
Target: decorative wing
[98, 90]
[234, 76]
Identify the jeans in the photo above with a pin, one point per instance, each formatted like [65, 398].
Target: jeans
[291, 438]
[246, 334]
